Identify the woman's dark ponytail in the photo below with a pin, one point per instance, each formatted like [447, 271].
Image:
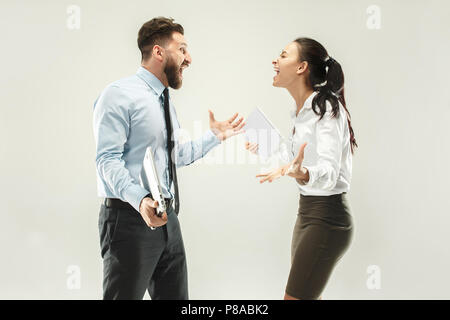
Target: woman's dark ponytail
[335, 76]
[327, 78]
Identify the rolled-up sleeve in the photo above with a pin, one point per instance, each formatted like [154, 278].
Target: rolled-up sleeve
[325, 172]
[111, 129]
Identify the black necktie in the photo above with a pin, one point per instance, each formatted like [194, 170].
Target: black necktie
[170, 146]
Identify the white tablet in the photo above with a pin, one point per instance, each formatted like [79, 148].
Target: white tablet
[149, 181]
[259, 129]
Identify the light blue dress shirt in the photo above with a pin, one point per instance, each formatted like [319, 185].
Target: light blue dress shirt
[129, 117]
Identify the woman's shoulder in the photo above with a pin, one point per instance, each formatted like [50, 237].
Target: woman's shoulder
[329, 117]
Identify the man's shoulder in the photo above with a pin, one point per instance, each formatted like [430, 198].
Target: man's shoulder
[127, 88]
[127, 91]
[130, 83]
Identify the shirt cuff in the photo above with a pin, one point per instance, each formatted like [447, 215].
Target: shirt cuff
[210, 140]
[312, 176]
[134, 195]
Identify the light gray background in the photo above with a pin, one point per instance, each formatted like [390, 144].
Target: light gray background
[237, 232]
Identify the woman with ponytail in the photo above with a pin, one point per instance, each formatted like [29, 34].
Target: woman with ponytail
[320, 161]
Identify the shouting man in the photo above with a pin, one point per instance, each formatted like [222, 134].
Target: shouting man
[141, 250]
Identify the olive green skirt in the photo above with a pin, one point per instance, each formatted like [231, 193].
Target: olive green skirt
[322, 234]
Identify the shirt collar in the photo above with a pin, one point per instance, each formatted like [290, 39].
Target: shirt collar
[151, 80]
[306, 105]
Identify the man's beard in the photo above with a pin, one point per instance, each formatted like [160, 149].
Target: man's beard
[172, 72]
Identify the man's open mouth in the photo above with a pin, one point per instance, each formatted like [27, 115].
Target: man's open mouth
[181, 70]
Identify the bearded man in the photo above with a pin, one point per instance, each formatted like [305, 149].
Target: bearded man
[142, 250]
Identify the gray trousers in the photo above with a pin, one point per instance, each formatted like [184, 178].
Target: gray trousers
[136, 258]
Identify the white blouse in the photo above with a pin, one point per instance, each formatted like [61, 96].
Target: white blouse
[328, 156]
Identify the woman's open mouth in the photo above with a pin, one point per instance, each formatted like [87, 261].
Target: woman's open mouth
[277, 71]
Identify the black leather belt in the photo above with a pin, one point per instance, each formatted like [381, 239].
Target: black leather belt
[117, 203]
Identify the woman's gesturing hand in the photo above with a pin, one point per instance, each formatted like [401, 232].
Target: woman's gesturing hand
[293, 169]
[296, 170]
[252, 147]
[274, 174]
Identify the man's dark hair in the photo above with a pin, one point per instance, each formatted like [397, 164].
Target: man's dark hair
[156, 31]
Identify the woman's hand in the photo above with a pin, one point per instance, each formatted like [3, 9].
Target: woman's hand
[252, 147]
[296, 170]
[293, 169]
[274, 174]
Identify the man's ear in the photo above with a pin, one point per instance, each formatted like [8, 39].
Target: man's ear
[158, 53]
[302, 67]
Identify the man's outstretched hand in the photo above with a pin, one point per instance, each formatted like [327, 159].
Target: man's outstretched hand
[225, 129]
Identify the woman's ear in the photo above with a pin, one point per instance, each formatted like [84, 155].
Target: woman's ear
[302, 67]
